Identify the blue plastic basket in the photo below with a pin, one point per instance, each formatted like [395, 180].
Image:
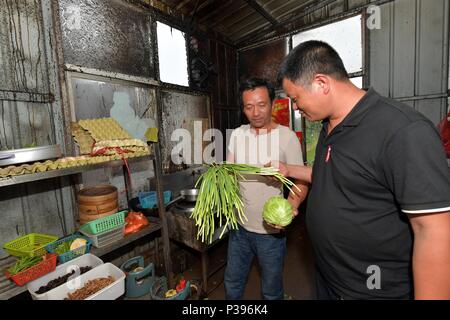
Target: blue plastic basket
[67, 256]
[148, 200]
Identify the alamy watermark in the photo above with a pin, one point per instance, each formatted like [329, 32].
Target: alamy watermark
[207, 147]
[373, 21]
[374, 280]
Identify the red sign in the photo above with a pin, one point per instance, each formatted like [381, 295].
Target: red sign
[299, 136]
[280, 112]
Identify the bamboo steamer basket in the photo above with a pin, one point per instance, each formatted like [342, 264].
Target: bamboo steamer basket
[96, 195]
[97, 209]
[97, 202]
[85, 218]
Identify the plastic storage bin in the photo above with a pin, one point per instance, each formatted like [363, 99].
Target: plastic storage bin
[111, 292]
[148, 200]
[67, 256]
[31, 245]
[36, 271]
[105, 238]
[86, 260]
[105, 224]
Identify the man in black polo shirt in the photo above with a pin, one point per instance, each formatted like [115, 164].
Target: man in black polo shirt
[379, 181]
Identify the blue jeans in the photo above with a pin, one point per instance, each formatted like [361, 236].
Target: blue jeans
[269, 249]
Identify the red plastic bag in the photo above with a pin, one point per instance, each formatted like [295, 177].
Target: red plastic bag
[444, 130]
[135, 221]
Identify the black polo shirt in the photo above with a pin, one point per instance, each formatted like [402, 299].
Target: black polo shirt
[382, 160]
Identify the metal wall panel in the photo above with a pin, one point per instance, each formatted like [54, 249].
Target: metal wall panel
[22, 47]
[224, 101]
[381, 53]
[404, 48]
[13, 223]
[409, 55]
[31, 114]
[107, 35]
[263, 61]
[434, 109]
[431, 35]
[178, 110]
[25, 124]
[34, 207]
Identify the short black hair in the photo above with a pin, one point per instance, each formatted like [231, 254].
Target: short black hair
[253, 83]
[310, 58]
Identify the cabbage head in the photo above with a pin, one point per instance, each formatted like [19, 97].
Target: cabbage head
[277, 210]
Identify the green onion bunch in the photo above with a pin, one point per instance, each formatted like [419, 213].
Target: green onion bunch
[219, 196]
[23, 264]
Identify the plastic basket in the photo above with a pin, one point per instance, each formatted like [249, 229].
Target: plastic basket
[105, 238]
[36, 271]
[31, 245]
[67, 256]
[105, 224]
[148, 200]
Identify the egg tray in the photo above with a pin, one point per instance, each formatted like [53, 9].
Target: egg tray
[82, 137]
[121, 143]
[104, 129]
[67, 162]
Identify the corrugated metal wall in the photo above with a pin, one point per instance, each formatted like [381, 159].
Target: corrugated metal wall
[409, 55]
[31, 115]
[226, 112]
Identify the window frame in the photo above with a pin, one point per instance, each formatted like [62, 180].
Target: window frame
[365, 53]
[156, 55]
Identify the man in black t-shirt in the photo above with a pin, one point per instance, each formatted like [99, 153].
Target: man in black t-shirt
[378, 210]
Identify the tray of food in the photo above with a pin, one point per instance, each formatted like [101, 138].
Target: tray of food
[104, 282]
[40, 287]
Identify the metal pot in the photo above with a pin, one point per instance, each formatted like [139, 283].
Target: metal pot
[189, 195]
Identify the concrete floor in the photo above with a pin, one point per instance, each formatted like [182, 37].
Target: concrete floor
[298, 270]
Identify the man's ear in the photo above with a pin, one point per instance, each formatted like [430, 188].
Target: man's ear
[323, 83]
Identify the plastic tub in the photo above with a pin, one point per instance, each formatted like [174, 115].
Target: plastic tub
[111, 292]
[61, 270]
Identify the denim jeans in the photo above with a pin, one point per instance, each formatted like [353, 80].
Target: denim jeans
[269, 249]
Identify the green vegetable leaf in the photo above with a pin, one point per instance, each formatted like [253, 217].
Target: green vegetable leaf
[278, 211]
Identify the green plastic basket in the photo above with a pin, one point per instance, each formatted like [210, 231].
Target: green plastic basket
[105, 224]
[31, 245]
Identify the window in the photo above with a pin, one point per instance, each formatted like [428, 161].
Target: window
[172, 55]
[345, 37]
